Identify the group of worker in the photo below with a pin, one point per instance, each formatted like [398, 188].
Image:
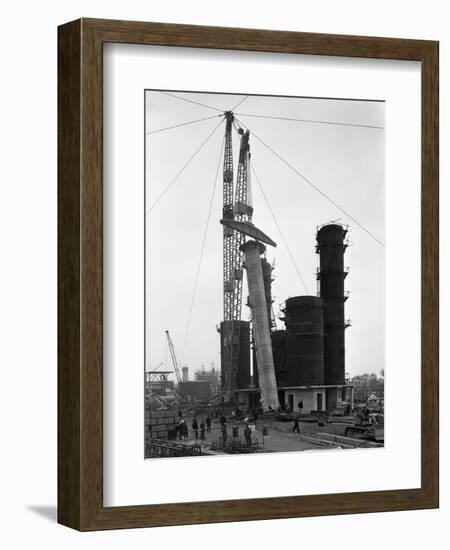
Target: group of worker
[247, 429]
[202, 427]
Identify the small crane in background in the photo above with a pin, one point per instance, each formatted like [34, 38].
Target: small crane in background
[176, 368]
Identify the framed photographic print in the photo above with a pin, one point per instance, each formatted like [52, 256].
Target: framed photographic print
[248, 274]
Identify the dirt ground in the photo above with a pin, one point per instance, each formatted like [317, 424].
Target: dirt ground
[280, 436]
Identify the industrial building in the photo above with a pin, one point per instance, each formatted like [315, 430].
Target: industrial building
[309, 353]
[195, 390]
[205, 386]
[210, 376]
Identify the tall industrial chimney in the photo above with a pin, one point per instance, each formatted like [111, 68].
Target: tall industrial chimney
[331, 246]
[185, 374]
[267, 278]
[261, 326]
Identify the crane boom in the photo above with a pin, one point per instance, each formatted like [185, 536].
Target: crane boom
[227, 327]
[227, 214]
[236, 207]
[174, 357]
[242, 211]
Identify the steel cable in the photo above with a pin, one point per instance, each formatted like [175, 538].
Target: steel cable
[181, 124]
[309, 182]
[182, 169]
[279, 229]
[202, 249]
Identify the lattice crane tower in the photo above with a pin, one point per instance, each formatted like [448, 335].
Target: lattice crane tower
[236, 206]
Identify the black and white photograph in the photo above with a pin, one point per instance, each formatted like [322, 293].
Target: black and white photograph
[265, 309]
[225, 261]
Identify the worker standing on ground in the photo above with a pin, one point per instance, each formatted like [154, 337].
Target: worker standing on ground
[223, 420]
[248, 435]
[296, 427]
[184, 430]
[208, 424]
[195, 427]
[224, 433]
[202, 430]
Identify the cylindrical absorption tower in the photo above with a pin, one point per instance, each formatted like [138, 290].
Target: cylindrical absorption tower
[331, 275]
[305, 344]
[261, 327]
[267, 278]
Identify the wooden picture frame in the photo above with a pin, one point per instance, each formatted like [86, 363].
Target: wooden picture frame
[80, 272]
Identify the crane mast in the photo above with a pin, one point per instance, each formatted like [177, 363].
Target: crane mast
[227, 327]
[235, 207]
[227, 214]
[243, 212]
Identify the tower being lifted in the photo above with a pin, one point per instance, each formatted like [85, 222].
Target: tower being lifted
[252, 251]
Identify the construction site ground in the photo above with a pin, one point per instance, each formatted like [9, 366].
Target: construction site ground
[280, 436]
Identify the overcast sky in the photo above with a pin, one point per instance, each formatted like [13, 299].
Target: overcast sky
[346, 163]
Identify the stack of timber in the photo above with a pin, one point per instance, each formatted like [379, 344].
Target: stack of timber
[160, 424]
